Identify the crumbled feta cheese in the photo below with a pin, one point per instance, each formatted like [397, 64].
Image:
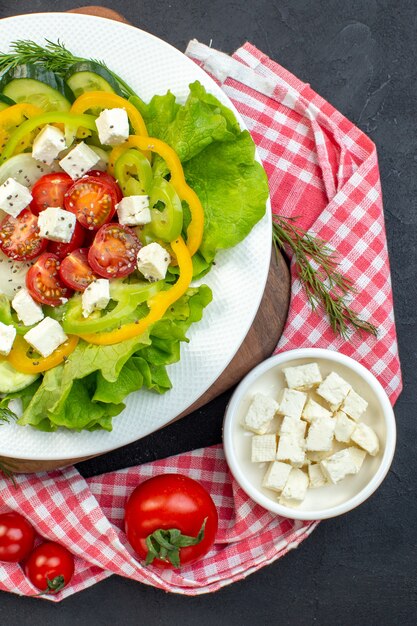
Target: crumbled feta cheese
[95, 296]
[338, 466]
[365, 437]
[276, 476]
[313, 409]
[291, 447]
[46, 336]
[320, 434]
[293, 425]
[292, 403]
[112, 126]
[260, 414]
[295, 488]
[316, 476]
[134, 210]
[7, 337]
[354, 405]
[334, 390]
[79, 161]
[48, 144]
[344, 427]
[303, 377]
[14, 197]
[56, 224]
[264, 448]
[358, 457]
[153, 261]
[28, 311]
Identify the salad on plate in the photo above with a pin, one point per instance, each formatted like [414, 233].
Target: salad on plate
[110, 209]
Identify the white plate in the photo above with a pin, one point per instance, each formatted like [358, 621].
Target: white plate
[151, 66]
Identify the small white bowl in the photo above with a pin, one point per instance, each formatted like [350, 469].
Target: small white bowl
[331, 500]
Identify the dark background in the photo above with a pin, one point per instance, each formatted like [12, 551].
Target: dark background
[359, 569]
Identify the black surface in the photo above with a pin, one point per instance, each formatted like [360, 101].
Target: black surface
[359, 569]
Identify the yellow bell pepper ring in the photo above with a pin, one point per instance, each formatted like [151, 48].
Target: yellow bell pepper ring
[158, 304]
[20, 360]
[196, 226]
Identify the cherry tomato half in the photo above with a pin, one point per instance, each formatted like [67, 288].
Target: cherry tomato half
[93, 200]
[17, 537]
[75, 271]
[44, 283]
[50, 567]
[49, 191]
[63, 249]
[114, 250]
[108, 179]
[19, 236]
[166, 502]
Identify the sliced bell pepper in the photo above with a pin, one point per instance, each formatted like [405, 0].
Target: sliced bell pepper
[12, 117]
[133, 172]
[18, 356]
[166, 223]
[196, 226]
[158, 304]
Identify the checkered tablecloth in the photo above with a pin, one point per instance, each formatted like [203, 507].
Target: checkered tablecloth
[324, 169]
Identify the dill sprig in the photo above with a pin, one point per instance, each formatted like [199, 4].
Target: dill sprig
[317, 268]
[7, 415]
[8, 473]
[53, 56]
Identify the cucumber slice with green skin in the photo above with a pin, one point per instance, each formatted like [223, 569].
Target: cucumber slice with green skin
[31, 83]
[89, 76]
[11, 380]
[25, 169]
[5, 102]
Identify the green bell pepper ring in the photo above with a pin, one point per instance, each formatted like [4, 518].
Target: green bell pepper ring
[166, 223]
[133, 172]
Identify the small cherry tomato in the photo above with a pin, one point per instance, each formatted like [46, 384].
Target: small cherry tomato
[49, 567]
[92, 200]
[19, 236]
[114, 250]
[49, 191]
[17, 537]
[63, 249]
[44, 283]
[75, 271]
[170, 520]
[109, 179]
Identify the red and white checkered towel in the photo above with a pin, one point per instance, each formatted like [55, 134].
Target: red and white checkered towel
[322, 167]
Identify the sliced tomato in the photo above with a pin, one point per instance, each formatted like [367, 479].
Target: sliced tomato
[44, 283]
[92, 200]
[63, 249]
[19, 236]
[75, 271]
[49, 190]
[109, 179]
[114, 250]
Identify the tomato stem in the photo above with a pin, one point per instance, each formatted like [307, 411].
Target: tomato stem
[165, 544]
[54, 586]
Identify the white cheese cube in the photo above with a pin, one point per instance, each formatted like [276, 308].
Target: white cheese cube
[14, 197]
[365, 437]
[28, 311]
[7, 337]
[334, 390]
[354, 405]
[48, 144]
[303, 377]
[276, 476]
[79, 161]
[338, 466]
[56, 224]
[293, 425]
[112, 126]
[46, 337]
[316, 457]
[312, 410]
[261, 412]
[95, 296]
[320, 434]
[295, 488]
[292, 403]
[316, 476]
[358, 457]
[291, 447]
[344, 427]
[153, 261]
[134, 210]
[264, 448]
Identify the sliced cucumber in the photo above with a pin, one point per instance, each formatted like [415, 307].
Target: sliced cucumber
[90, 76]
[31, 83]
[25, 169]
[12, 274]
[11, 380]
[5, 102]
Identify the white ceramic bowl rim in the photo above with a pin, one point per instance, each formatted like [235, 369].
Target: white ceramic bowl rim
[371, 486]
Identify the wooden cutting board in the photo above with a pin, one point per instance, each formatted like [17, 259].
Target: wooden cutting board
[257, 346]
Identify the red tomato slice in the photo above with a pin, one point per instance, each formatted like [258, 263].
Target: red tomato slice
[114, 250]
[108, 179]
[17, 537]
[63, 249]
[92, 200]
[19, 236]
[50, 567]
[49, 191]
[44, 283]
[75, 271]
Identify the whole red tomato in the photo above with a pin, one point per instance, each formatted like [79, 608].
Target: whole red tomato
[170, 520]
[49, 567]
[16, 537]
